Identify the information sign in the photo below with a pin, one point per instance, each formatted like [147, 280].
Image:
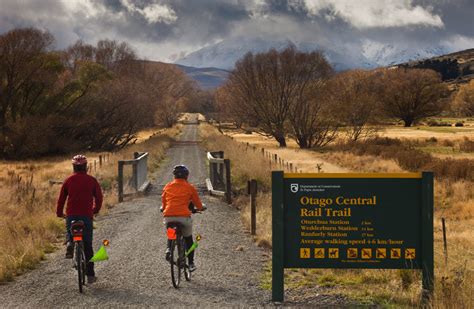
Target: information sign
[382, 221]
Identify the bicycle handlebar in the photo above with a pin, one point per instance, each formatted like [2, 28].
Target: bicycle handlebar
[194, 211]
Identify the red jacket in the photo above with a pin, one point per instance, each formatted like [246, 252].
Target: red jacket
[80, 189]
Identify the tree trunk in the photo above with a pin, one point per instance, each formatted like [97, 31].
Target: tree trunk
[408, 122]
[280, 139]
[302, 142]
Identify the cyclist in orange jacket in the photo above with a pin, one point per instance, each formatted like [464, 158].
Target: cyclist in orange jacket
[176, 198]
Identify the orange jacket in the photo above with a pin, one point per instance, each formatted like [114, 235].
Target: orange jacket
[176, 197]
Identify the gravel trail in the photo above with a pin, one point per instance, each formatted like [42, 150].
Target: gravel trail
[137, 275]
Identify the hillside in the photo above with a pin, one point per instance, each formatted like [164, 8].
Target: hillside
[455, 68]
[207, 78]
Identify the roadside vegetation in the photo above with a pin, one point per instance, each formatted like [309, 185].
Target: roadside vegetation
[97, 98]
[295, 95]
[454, 201]
[395, 119]
[28, 225]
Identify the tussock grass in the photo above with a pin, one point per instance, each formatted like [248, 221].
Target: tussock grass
[411, 159]
[28, 225]
[454, 200]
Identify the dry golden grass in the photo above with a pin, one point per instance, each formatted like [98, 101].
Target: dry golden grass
[302, 159]
[427, 132]
[453, 201]
[28, 224]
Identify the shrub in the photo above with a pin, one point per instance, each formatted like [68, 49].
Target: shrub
[411, 159]
[466, 145]
[435, 123]
[448, 143]
[459, 124]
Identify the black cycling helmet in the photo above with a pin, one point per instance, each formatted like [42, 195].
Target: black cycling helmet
[180, 171]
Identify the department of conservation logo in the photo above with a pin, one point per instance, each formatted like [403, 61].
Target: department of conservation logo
[294, 187]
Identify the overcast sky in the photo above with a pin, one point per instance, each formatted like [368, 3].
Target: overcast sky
[162, 30]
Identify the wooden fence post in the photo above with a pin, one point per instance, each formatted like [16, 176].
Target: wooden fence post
[120, 181]
[253, 206]
[228, 184]
[445, 244]
[100, 160]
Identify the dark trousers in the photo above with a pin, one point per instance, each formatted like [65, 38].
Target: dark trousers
[87, 239]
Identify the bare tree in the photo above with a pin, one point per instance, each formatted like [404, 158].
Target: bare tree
[169, 89]
[267, 88]
[229, 107]
[464, 100]
[23, 61]
[354, 99]
[412, 94]
[310, 120]
[77, 53]
[114, 55]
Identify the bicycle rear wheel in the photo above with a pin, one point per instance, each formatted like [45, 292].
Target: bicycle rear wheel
[80, 266]
[175, 264]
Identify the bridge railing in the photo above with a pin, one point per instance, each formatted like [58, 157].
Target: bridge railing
[219, 181]
[139, 180]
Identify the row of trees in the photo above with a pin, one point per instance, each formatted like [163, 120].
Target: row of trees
[297, 94]
[83, 97]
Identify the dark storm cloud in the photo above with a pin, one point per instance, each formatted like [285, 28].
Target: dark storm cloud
[197, 21]
[457, 15]
[174, 25]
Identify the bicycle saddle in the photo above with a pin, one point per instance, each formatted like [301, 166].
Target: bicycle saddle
[77, 225]
[174, 225]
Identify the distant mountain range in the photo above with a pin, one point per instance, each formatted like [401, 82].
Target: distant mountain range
[210, 65]
[368, 54]
[207, 78]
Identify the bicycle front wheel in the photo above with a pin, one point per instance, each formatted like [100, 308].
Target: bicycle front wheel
[175, 264]
[187, 273]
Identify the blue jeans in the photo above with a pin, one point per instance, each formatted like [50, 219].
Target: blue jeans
[87, 239]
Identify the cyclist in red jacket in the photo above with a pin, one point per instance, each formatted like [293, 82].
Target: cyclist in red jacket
[80, 190]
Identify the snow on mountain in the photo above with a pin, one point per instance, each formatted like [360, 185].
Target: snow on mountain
[387, 54]
[368, 54]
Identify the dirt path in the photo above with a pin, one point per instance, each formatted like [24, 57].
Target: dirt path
[137, 274]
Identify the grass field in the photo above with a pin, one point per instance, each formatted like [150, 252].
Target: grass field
[454, 200]
[28, 225]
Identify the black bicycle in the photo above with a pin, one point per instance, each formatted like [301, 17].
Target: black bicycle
[178, 261]
[178, 254]
[77, 230]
